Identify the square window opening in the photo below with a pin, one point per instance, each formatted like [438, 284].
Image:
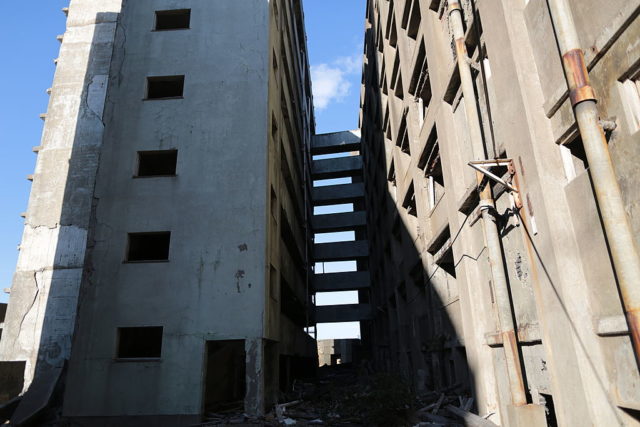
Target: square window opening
[140, 342]
[165, 87]
[179, 19]
[157, 163]
[146, 247]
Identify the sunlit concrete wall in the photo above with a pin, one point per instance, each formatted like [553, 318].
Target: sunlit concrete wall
[436, 321]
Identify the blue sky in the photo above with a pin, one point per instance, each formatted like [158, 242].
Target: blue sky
[29, 49]
[335, 30]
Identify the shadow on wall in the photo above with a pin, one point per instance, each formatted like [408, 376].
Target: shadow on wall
[417, 326]
[59, 280]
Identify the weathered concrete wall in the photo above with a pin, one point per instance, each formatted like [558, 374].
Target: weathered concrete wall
[573, 338]
[213, 287]
[42, 306]
[291, 125]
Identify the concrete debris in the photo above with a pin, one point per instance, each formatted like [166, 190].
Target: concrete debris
[343, 396]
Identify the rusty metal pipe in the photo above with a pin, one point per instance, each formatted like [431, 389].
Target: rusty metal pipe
[492, 236]
[624, 252]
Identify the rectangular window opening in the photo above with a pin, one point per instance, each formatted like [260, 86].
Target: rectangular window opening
[165, 87]
[403, 135]
[452, 89]
[157, 163]
[414, 20]
[140, 342]
[148, 247]
[431, 163]
[574, 158]
[410, 202]
[178, 19]
[441, 249]
[631, 100]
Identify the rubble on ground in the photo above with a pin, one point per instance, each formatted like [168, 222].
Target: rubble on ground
[342, 397]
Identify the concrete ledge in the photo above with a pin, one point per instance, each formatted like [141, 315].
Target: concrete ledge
[341, 251]
[336, 194]
[337, 142]
[339, 221]
[343, 313]
[337, 168]
[612, 326]
[349, 281]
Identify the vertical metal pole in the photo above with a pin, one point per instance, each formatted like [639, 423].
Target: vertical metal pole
[624, 252]
[494, 249]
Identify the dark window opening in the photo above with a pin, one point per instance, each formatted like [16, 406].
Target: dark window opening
[453, 88]
[290, 304]
[409, 202]
[431, 163]
[413, 19]
[225, 376]
[173, 19]
[148, 246]
[391, 176]
[393, 37]
[396, 71]
[441, 249]
[157, 163]
[447, 263]
[550, 410]
[399, 90]
[578, 155]
[403, 135]
[140, 342]
[390, 22]
[165, 87]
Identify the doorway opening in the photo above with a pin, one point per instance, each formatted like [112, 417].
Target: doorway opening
[225, 375]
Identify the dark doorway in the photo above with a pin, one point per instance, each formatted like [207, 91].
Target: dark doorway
[225, 372]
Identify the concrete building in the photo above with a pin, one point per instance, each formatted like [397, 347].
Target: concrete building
[338, 351]
[165, 252]
[508, 290]
[166, 268]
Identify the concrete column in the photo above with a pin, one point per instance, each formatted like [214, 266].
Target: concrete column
[44, 295]
[254, 397]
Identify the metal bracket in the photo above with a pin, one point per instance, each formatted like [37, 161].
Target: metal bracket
[482, 166]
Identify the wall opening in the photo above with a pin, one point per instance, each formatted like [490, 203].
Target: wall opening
[574, 158]
[630, 89]
[145, 247]
[165, 87]
[431, 163]
[225, 375]
[140, 342]
[178, 19]
[157, 163]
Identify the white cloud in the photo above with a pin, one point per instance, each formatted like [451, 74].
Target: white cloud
[331, 81]
[350, 64]
[329, 84]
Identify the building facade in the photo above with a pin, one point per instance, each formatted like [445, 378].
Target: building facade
[537, 333]
[164, 259]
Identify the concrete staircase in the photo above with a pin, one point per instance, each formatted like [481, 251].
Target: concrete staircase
[358, 250]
